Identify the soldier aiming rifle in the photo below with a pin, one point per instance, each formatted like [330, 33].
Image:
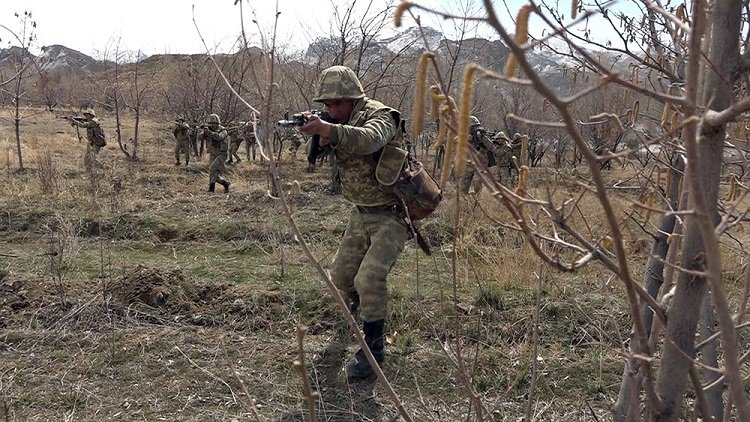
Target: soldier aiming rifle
[94, 133]
[315, 150]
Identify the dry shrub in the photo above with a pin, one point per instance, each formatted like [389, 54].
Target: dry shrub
[47, 173]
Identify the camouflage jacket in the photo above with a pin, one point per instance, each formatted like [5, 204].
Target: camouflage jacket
[357, 144]
[516, 150]
[91, 126]
[181, 132]
[482, 143]
[216, 141]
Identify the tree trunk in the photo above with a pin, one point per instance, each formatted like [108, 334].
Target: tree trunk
[653, 279]
[135, 133]
[17, 127]
[709, 356]
[690, 289]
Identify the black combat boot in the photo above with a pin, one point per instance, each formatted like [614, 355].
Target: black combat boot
[352, 299]
[359, 366]
[226, 184]
[212, 187]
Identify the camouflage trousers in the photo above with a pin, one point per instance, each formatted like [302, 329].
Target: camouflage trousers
[469, 175]
[373, 240]
[234, 146]
[502, 173]
[216, 169]
[93, 148]
[182, 147]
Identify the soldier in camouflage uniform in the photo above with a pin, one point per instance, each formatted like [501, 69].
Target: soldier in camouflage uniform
[216, 143]
[376, 233]
[485, 148]
[94, 133]
[181, 134]
[236, 138]
[503, 160]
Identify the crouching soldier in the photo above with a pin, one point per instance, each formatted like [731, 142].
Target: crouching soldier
[215, 137]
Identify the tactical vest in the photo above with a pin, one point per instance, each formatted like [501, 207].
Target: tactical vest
[216, 147]
[181, 133]
[357, 172]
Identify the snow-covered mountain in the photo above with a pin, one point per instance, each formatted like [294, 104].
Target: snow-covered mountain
[58, 57]
[555, 61]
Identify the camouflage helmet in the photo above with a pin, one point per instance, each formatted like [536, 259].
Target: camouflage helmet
[180, 118]
[89, 111]
[338, 82]
[213, 118]
[516, 136]
[473, 121]
[502, 135]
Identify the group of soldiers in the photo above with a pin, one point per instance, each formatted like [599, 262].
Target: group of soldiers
[187, 141]
[497, 151]
[222, 145]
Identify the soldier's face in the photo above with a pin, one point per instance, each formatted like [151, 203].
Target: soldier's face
[340, 109]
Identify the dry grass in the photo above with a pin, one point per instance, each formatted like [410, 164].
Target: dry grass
[174, 299]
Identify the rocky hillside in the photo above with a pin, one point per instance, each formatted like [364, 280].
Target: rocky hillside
[374, 59]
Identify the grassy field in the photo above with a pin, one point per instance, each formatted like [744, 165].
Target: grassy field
[128, 292]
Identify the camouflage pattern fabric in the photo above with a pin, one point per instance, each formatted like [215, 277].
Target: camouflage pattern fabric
[216, 169]
[372, 243]
[91, 126]
[216, 141]
[486, 150]
[338, 82]
[236, 138]
[182, 145]
[371, 126]
[503, 160]
[467, 177]
[376, 233]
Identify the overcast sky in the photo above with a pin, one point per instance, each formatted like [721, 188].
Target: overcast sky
[166, 26]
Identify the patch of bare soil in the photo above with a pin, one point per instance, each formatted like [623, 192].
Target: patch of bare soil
[143, 294]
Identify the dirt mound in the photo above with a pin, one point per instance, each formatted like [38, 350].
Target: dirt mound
[165, 289]
[19, 294]
[169, 296]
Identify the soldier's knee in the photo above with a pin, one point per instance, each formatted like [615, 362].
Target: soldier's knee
[341, 281]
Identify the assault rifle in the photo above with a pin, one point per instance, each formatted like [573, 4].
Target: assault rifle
[76, 118]
[71, 119]
[315, 150]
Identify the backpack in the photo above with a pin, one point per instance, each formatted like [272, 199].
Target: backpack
[100, 139]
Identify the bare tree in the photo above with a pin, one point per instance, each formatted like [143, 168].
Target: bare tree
[22, 59]
[141, 86]
[697, 98]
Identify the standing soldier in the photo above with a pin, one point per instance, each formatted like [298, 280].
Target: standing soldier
[94, 132]
[486, 150]
[503, 160]
[236, 138]
[376, 233]
[215, 137]
[181, 134]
